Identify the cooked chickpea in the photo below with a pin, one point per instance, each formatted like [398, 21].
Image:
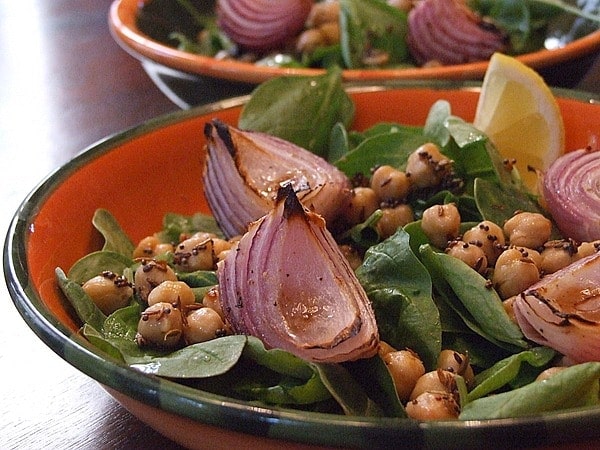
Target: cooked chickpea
[557, 255]
[351, 255]
[202, 325]
[323, 12]
[405, 368]
[109, 291]
[513, 273]
[150, 274]
[534, 255]
[195, 253]
[390, 184]
[438, 380]
[528, 229]
[470, 254]
[587, 249]
[426, 166]
[403, 5]
[161, 325]
[508, 306]
[363, 203]
[151, 246]
[457, 363]
[331, 32]
[177, 293]
[309, 40]
[211, 300]
[433, 406]
[384, 348]
[489, 237]
[441, 224]
[393, 218]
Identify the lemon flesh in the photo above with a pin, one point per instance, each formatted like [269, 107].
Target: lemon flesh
[520, 115]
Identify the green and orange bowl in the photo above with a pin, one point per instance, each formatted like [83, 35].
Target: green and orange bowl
[154, 168]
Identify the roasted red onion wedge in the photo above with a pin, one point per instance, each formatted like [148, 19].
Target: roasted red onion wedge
[562, 310]
[262, 25]
[571, 191]
[288, 284]
[244, 170]
[449, 32]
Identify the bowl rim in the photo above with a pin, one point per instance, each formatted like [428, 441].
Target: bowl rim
[234, 415]
[121, 20]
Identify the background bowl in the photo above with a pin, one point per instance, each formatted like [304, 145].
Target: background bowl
[155, 168]
[190, 79]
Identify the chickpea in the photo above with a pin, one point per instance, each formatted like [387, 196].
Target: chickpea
[177, 293]
[384, 348]
[587, 248]
[528, 229]
[390, 184]
[426, 166]
[363, 203]
[195, 253]
[557, 255]
[489, 237]
[456, 363]
[149, 275]
[441, 224]
[331, 32]
[151, 246]
[351, 255]
[405, 368]
[513, 273]
[109, 291]
[161, 325]
[393, 218]
[470, 254]
[402, 5]
[534, 255]
[549, 372]
[309, 40]
[211, 300]
[323, 12]
[438, 380]
[202, 325]
[433, 406]
[508, 306]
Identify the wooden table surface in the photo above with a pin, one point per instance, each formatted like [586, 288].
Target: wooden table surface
[64, 84]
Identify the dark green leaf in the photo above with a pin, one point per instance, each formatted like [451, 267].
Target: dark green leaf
[86, 309]
[115, 239]
[299, 109]
[399, 288]
[95, 263]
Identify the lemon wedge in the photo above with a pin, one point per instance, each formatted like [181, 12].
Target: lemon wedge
[520, 115]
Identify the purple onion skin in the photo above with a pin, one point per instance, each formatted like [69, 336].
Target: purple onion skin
[571, 192]
[244, 170]
[288, 285]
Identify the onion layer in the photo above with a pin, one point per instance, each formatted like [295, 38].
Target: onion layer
[449, 32]
[562, 310]
[288, 284]
[244, 170]
[571, 191]
[262, 25]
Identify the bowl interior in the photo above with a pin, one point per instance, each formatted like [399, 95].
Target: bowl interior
[143, 173]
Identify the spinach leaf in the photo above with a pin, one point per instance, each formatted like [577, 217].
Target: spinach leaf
[174, 225]
[392, 148]
[85, 308]
[347, 391]
[457, 282]
[575, 386]
[400, 290]
[506, 370]
[115, 239]
[307, 112]
[372, 26]
[498, 202]
[206, 359]
[199, 278]
[95, 263]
